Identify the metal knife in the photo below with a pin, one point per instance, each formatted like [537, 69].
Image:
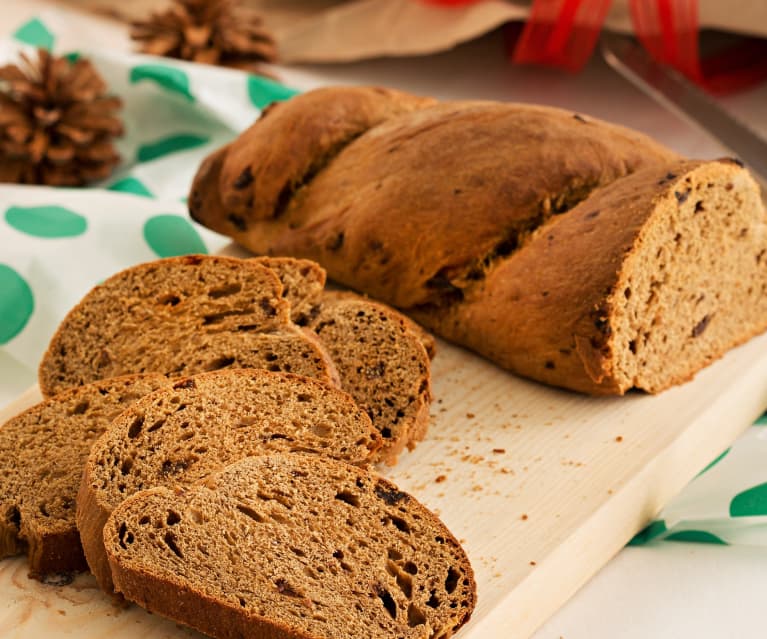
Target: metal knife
[673, 91]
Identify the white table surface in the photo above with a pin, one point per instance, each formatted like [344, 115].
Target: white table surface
[668, 590]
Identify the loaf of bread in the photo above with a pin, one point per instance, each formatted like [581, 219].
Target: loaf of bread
[181, 434]
[182, 316]
[566, 249]
[288, 546]
[42, 454]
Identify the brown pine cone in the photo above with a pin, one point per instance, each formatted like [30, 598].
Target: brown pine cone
[219, 32]
[56, 123]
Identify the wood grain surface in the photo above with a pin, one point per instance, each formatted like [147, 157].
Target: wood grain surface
[542, 487]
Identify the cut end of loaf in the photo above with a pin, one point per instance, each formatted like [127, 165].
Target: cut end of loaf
[696, 283]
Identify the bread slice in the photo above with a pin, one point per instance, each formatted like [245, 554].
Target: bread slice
[180, 316]
[303, 282]
[291, 546]
[382, 364]
[42, 454]
[180, 435]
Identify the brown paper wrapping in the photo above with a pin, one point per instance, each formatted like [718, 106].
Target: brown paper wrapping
[345, 30]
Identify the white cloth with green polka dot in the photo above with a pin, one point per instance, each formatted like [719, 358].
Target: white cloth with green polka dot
[56, 244]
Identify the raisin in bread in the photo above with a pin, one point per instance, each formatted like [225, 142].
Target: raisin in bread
[42, 454]
[291, 546]
[179, 435]
[181, 316]
[564, 248]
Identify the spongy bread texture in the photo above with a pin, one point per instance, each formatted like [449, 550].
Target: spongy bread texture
[181, 316]
[179, 435]
[382, 364]
[42, 454]
[292, 546]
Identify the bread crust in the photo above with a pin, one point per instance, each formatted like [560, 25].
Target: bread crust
[445, 212]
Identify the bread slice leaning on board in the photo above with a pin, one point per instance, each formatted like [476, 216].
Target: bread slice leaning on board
[566, 249]
[42, 454]
[291, 546]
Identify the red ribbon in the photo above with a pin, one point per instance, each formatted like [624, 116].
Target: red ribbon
[563, 33]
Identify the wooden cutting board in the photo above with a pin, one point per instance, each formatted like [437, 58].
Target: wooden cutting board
[541, 486]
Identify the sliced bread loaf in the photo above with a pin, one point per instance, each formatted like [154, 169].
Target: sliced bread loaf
[180, 316]
[292, 546]
[180, 435]
[42, 453]
[382, 364]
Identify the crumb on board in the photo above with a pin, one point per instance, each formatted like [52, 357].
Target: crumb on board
[619, 438]
[499, 451]
[524, 517]
[477, 488]
[533, 563]
[440, 478]
[470, 416]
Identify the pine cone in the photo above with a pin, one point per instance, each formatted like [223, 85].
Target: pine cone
[219, 32]
[56, 124]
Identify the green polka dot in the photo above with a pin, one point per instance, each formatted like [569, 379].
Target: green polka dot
[16, 303]
[170, 78]
[263, 91]
[170, 235]
[697, 536]
[750, 502]
[714, 462]
[171, 144]
[653, 530]
[46, 221]
[131, 185]
[34, 33]
[762, 421]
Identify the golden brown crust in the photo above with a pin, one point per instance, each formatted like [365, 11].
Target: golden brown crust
[445, 211]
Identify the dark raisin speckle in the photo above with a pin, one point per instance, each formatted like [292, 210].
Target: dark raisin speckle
[682, 196]
[237, 221]
[388, 495]
[701, 326]
[580, 118]
[244, 179]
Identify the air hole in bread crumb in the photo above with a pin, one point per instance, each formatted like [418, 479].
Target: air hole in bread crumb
[126, 466]
[225, 291]
[451, 581]
[415, 617]
[218, 363]
[158, 424]
[249, 512]
[135, 427]
[348, 497]
[173, 518]
[144, 520]
[388, 603]
[433, 601]
[400, 524]
[121, 535]
[170, 542]
[80, 408]
[169, 299]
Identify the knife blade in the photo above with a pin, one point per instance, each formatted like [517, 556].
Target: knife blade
[674, 92]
